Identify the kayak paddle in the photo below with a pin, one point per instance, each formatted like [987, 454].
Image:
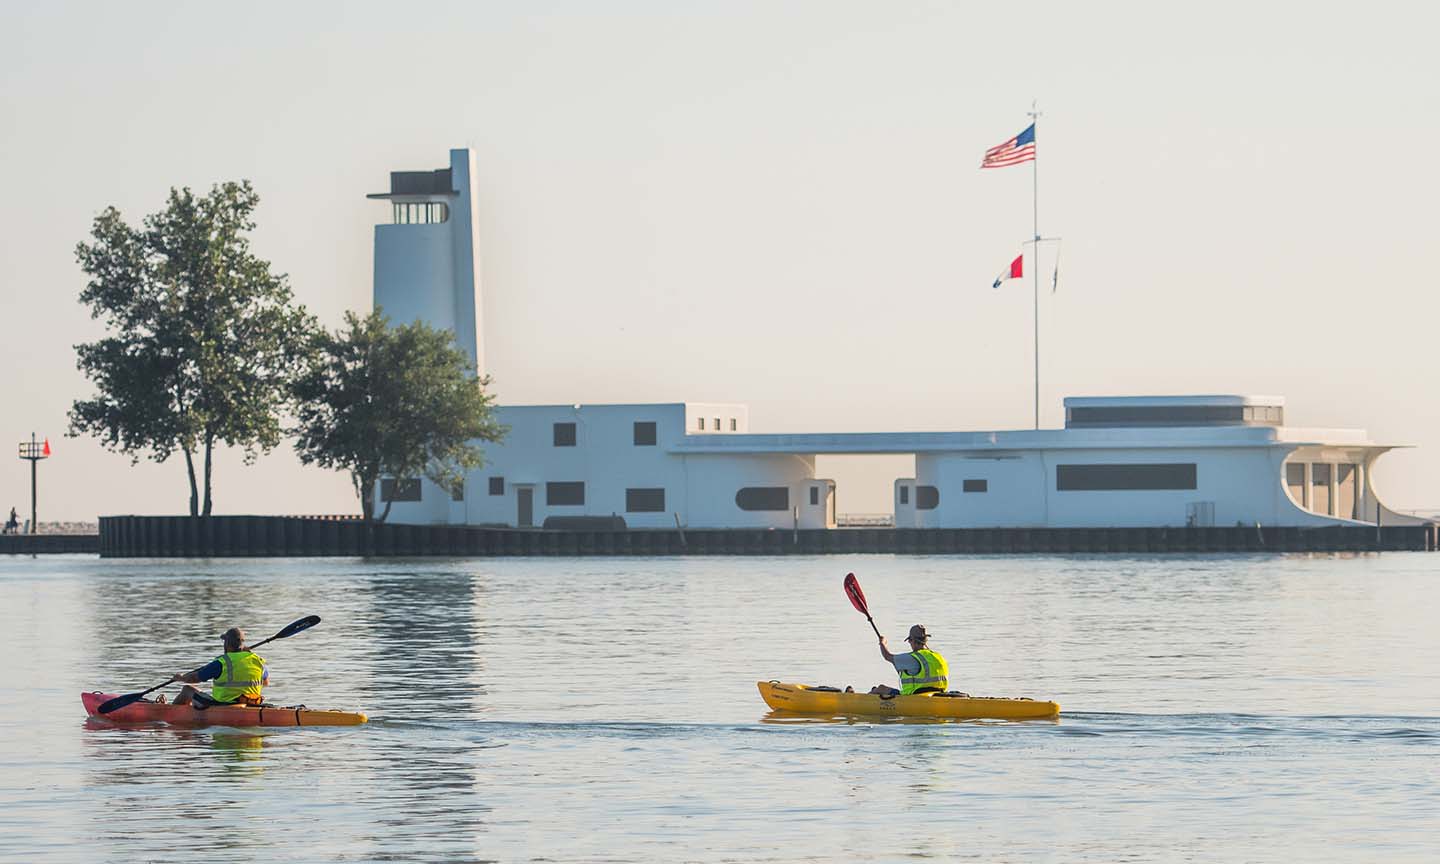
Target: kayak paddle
[130, 698]
[857, 599]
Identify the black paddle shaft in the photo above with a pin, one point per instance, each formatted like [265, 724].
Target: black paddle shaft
[131, 698]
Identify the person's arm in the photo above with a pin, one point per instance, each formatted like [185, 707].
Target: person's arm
[885, 651]
[208, 672]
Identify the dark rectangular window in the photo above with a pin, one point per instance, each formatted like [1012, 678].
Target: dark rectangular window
[717, 424]
[904, 494]
[644, 433]
[497, 485]
[701, 424]
[564, 434]
[976, 485]
[733, 424]
[763, 498]
[814, 495]
[926, 497]
[457, 492]
[1105, 478]
[565, 494]
[402, 489]
[644, 500]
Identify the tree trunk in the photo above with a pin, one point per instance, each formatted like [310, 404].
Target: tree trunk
[209, 448]
[365, 488]
[194, 494]
[385, 512]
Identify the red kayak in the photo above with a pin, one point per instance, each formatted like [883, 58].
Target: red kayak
[146, 711]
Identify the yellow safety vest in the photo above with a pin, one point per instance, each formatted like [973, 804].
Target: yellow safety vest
[933, 673]
[242, 673]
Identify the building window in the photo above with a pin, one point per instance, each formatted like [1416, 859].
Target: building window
[976, 485]
[814, 496]
[497, 485]
[1172, 415]
[565, 494]
[904, 494]
[716, 425]
[700, 424]
[420, 212]
[402, 489]
[564, 434]
[644, 433]
[457, 492]
[733, 425]
[1115, 478]
[763, 498]
[644, 500]
[926, 497]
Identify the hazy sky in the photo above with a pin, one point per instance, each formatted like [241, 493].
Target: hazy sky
[775, 203]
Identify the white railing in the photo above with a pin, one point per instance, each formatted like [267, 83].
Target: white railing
[865, 520]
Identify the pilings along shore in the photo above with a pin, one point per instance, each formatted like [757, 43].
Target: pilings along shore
[286, 536]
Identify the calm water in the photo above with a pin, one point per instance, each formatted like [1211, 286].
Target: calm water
[1215, 709]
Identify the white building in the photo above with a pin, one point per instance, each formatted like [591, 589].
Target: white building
[1119, 461]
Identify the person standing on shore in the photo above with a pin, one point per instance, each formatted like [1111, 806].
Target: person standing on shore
[13, 524]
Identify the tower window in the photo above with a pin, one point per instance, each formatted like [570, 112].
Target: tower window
[420, 212]
[564, 434]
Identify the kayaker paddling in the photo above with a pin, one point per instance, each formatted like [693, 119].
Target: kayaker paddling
[239, 675]
[921, 670]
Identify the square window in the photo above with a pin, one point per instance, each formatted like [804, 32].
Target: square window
[565, 494]
[645, 500]
[564, 434]
[644, 433]
[497, 485]
[400, 489]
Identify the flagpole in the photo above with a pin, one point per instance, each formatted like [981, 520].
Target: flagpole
[1035, 265]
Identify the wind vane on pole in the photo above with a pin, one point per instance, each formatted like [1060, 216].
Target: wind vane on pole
[34, 451]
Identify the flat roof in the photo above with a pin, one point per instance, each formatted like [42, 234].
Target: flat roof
[997, 445]
[1171, 401]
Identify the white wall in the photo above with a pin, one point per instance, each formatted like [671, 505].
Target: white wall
[414, 273]
[1015, 498]
[714, 479]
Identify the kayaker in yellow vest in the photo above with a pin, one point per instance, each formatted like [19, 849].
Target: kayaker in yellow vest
[921, 670]
[238, 675]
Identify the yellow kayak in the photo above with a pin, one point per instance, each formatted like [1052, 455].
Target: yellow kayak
[806, 699]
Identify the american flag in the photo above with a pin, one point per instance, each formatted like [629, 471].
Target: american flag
[1019, 149]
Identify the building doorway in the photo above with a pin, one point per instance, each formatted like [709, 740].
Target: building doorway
[525, 506]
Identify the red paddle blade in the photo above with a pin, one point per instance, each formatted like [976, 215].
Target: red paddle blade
[857, 597]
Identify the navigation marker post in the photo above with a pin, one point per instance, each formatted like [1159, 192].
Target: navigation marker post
[34, 451]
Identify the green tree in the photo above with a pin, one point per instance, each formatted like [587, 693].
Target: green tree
[204, 338]
[379, 400]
